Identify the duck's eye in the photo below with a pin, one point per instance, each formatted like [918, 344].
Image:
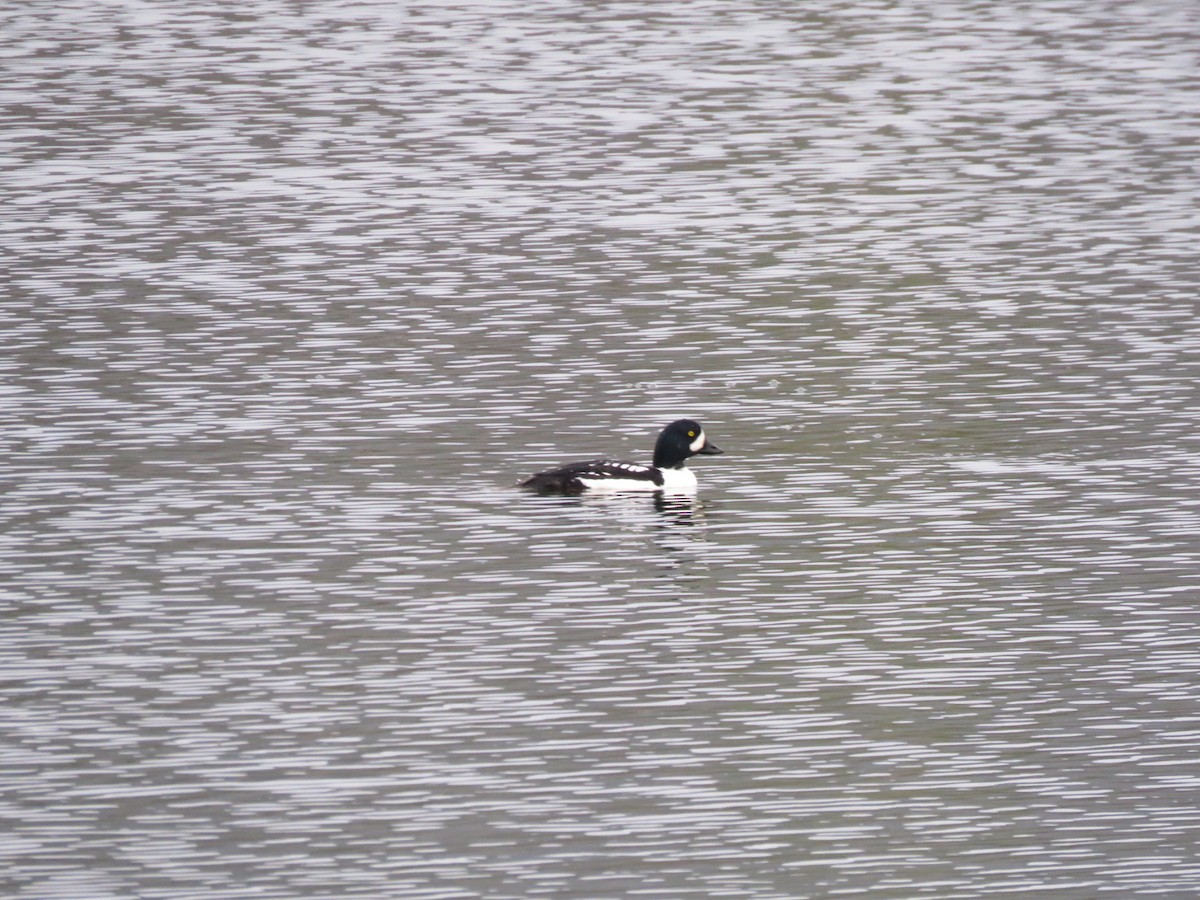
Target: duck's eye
[691, 434]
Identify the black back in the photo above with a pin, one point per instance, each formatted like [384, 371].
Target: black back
[566, 479]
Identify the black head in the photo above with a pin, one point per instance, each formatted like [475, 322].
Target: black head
[680, 440]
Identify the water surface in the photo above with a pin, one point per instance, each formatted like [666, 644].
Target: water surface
[294, 295]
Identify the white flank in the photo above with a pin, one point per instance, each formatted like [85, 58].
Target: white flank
[618, 485]
[675, 481]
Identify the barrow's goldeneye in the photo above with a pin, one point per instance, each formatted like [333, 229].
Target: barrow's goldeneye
[668, 474]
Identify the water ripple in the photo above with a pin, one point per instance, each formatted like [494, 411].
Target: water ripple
[294, 297]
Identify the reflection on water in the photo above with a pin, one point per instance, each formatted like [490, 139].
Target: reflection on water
[295, 296]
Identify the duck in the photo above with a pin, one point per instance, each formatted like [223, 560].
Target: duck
[667, 473]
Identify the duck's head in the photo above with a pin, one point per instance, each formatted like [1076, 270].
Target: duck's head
[681, 439]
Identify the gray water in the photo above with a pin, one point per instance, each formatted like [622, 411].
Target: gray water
[294, 293]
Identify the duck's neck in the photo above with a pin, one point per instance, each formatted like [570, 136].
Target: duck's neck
[666, 460]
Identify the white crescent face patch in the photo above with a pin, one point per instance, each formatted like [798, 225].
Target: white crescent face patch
[699, 442]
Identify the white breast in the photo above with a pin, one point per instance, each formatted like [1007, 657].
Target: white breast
[679, 481]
